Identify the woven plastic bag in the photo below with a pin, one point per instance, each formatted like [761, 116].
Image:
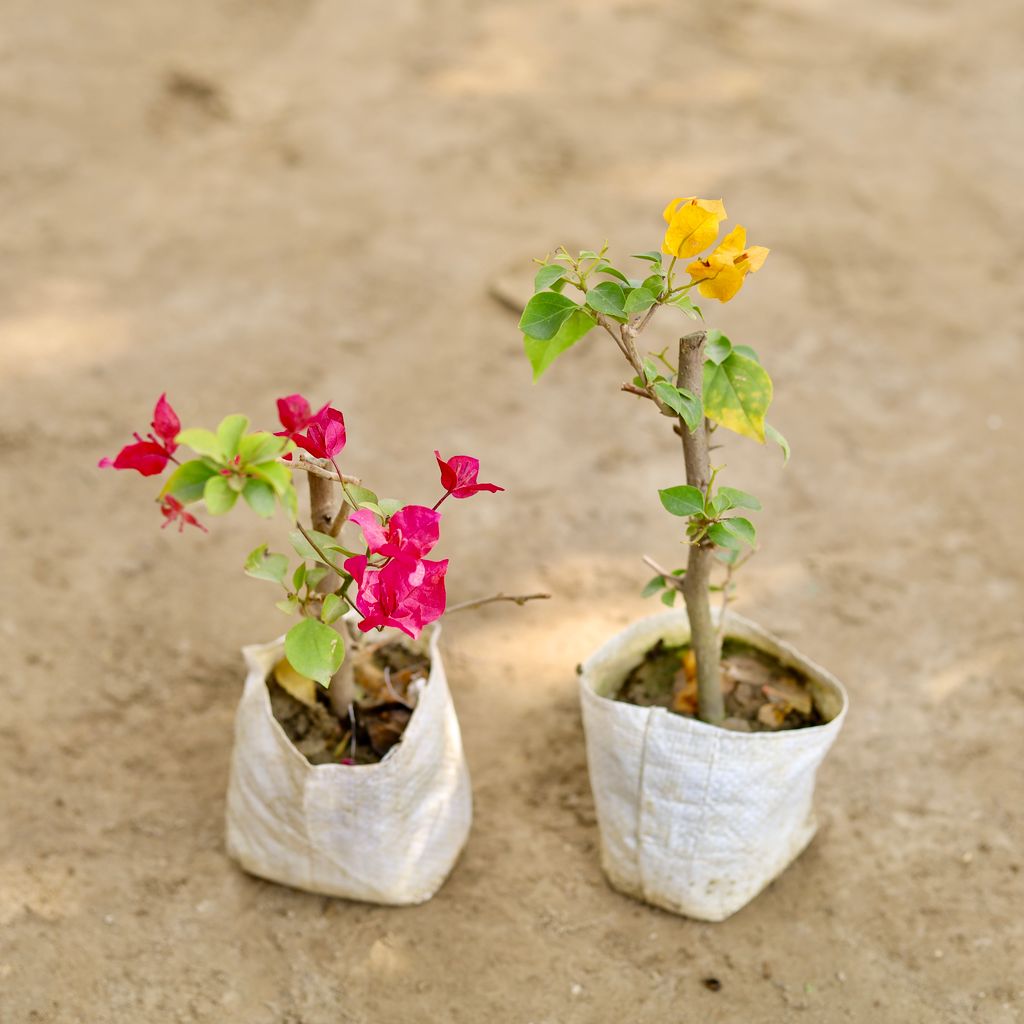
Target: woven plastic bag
[694, 818]
[385, 833]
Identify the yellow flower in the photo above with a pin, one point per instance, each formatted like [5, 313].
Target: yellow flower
[721, 274]
[692, 225]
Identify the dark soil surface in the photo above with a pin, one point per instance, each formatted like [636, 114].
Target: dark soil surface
[761, 694]
[386, 674]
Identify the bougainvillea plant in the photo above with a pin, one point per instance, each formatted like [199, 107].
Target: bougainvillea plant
[382, 577]
[713, 384]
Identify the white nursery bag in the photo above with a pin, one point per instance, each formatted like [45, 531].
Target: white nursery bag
[694, 818]
[385, 833]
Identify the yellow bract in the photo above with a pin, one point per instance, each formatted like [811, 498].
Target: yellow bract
[721, 274]
[692, 225]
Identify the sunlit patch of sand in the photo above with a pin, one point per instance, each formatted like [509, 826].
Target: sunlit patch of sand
[64, 326]
[45, 891]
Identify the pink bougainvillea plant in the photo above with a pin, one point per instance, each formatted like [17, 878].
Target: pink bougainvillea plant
[381, 578]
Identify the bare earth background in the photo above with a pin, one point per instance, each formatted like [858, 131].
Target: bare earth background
[234, 200]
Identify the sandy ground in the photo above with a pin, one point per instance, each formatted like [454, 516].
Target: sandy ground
[231, 201]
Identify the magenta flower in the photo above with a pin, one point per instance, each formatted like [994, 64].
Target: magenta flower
[150, 455]
[409, 534]
[172, 510]
[405, 595]
[294, 412]
[458, 476]
[325, 429]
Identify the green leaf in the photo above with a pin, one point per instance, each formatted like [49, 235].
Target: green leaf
[229, 434]
[363, 495]
[261, 447]
[683, 500]
[746, 350]
[543, 353]
[669, 597]
[290, 500]
[720, 535]
[638, 300]
[389, 506]
[607, 297]
[687, 305]
[260, 498]
[739, 499]
[653, 586]
[739, 528]
[219, 496]
[654, 284]
[771, 432]
[333, 608]
[264, 566]
[304, 549]
[612, 272]
[737, 394]
[652, 257]
[299, 576]
[277, 474]
[186, 483]
[290, 605]
[545, 314]
[202, 442]
[314, 650]
[682, 402]
[650, 371]
[547, 276]
[718, 347]
[315, 574]
[716, 506]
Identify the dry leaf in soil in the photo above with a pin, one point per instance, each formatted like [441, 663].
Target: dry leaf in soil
[772, 715]
[785, 690]
[298, 686]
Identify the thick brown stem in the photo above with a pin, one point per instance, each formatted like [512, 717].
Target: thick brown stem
[342, 691]
[328, 516]
[322, 503]
[706, 646]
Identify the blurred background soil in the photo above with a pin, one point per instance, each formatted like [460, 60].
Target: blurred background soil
[232, 201]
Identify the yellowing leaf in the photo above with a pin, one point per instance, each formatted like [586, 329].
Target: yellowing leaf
[300, 687]
[737, 393]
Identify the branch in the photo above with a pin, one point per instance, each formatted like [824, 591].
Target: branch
[313, 467]
[640, 392]
[319, 550]
[665, 574]
[519, 599]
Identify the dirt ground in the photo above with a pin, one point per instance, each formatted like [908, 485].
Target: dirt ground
[233, 201]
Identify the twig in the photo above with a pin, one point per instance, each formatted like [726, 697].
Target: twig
[519, 599]
[640, 392]
[668, 577]
[309, 466]
[316, 547]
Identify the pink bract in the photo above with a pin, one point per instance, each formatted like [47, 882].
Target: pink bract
[405, 595]
[148, 455]
[325, 434]
[172, 510]
[409, 534]
[459, 476]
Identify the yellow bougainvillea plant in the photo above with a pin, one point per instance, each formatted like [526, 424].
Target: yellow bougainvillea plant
[713, 384]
